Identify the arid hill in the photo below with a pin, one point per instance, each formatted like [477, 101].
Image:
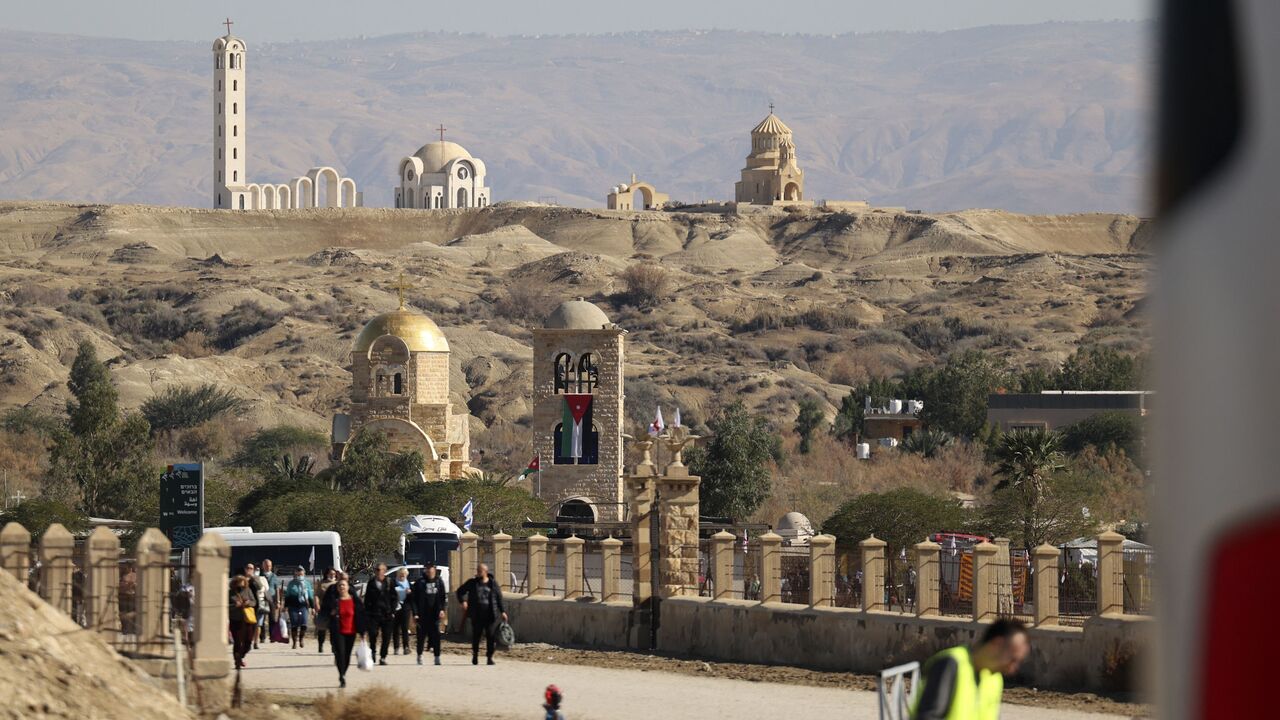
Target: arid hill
[768, 307]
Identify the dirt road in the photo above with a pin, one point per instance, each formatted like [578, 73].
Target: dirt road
[512, 690]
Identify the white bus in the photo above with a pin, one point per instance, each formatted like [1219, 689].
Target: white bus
[428, 538]
[313, 551]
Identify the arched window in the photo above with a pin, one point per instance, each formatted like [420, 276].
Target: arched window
[241, 202]
[219, 199]
[588, 375]
[219, 87]
[397, 384]
[563, 372]
[219, 153]
[235, 131]
[590, 447]
[235, 84]
[235, 177]
[235, 153]
[219, 108]
[219, 176]
[235, 108]
[219, 131]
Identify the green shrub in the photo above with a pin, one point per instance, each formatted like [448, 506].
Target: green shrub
[186, 406]
[242, 322]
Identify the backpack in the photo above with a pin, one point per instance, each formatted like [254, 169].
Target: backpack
[295, 594]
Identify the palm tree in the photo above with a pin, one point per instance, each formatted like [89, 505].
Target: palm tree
[291, 471]
[1025, 461]
[928, 442]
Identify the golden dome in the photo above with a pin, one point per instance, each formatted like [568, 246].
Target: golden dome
[418, 331]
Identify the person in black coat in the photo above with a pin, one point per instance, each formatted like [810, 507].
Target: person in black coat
[427, 601]
[481, 599]
[380, 602]
[346, 623]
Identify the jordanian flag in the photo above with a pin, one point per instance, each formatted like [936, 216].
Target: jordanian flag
[577, 413]
[534, 466]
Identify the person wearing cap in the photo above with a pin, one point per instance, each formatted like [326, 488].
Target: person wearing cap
[551, 704]
[428, 600]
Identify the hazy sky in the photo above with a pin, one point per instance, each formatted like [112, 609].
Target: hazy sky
[279, 20]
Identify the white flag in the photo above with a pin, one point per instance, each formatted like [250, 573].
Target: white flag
[676, 421]
[657, 426]
[311, 560]
[953, 546]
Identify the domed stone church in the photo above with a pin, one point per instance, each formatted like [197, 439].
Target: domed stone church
[442, 175]
[772, 175]
[400, 387]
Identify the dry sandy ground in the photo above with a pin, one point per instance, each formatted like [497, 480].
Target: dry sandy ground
[616, 686]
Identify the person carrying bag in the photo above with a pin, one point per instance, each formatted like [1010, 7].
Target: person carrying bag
[346, 624]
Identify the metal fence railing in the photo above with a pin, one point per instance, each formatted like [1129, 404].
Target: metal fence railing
[1013, 587]
[848, 578]
[955, 582]
[1138, 565]
[1077, 587]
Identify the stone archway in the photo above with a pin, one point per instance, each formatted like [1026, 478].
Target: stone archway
[645, 193]
[462, 197]
[792, 192]
[347, 193]
[576, 510]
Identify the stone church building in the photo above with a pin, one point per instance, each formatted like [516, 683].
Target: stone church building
[772, 175]
[578, 359]
[400, 387]
[442, 175]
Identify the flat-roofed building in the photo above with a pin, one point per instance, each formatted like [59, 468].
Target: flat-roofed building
[1054, 409]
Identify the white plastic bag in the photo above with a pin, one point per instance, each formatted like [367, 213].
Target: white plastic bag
[364, 656]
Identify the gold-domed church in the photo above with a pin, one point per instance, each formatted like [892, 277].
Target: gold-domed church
[400, 387]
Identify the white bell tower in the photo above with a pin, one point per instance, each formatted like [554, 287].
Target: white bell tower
[229, 176]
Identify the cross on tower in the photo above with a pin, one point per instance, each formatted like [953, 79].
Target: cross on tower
[401, 286]
[228, 23]
[441, 129]
[770, 108]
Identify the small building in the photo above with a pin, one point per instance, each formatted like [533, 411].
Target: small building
[442, 175]
[893, 423]
[772, 175]
[1054, 409]
[636, 195]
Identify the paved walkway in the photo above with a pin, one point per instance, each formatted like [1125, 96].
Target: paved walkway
[512, 690]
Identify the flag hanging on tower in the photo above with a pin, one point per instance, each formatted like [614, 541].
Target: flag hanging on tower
[468, 514]
[534, 466]
[577, 413]
[656, 427]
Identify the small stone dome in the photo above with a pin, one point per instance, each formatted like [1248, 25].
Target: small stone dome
[436, 155]
[577, 314]
[419, 332]
[795, 525]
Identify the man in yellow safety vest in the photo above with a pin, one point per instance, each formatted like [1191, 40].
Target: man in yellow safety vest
[960, 683]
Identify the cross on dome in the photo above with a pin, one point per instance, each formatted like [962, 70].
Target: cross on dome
[441, 130]
[401, 286]
[228, 23]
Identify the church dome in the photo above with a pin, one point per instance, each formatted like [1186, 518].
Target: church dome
[435, 155]
[771, 125]
[418, 331]
[577, 315]
[794, 524]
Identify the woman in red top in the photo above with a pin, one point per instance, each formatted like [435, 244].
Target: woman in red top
[346, 622]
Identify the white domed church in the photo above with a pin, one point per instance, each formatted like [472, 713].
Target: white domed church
[441, 175]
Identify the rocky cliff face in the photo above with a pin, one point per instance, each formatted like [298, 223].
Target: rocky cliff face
[767, 307]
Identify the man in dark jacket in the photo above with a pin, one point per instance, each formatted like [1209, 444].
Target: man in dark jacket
[380, 610]
[427, 601]
[481, 599]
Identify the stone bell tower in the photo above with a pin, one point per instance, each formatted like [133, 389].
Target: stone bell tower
[229, 147]
[578, 413]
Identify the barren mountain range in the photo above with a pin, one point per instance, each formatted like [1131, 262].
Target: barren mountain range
[1038, 118]
[768, 307]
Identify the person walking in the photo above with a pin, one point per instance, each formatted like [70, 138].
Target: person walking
[400, 625]
[299, 599]
[962, 683]
[427, 602]
[329, 579]
[262, 610]
[551, 705]
[481, 599]
[346, 624]
[240, 602]
[380, 605]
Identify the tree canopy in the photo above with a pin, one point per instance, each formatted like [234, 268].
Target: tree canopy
[497, 505]
[369, 464]
[734, 463]
[808, 418]
[901, 517]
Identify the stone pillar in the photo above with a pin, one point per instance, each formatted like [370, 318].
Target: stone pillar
[537, 565]
[771, 567]
[573, 567]
[468, 553]
[1044, 571]
[610, 569]
[102, 583]
[872, 573]
[502, 560]
[640, 493]
[15, 552]
[1003, 582]
[153, 590]
[211, 654]
[928, 580]
[1110, 573]
[722, 564]
[822, 571]
[984, 581]
[678, 545]
[56, 566]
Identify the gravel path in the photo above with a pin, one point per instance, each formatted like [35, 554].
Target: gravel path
[512, 690]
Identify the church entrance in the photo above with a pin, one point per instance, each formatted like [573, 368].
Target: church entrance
[462, 197]
[792, 192]
[577, 511]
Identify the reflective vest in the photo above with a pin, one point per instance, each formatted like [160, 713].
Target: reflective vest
[975, 696]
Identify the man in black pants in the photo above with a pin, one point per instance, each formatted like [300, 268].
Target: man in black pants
[481, 598]
[380, 609]
[427, 601]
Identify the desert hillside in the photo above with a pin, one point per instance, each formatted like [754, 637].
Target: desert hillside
[768, 307]
[1032, 118]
